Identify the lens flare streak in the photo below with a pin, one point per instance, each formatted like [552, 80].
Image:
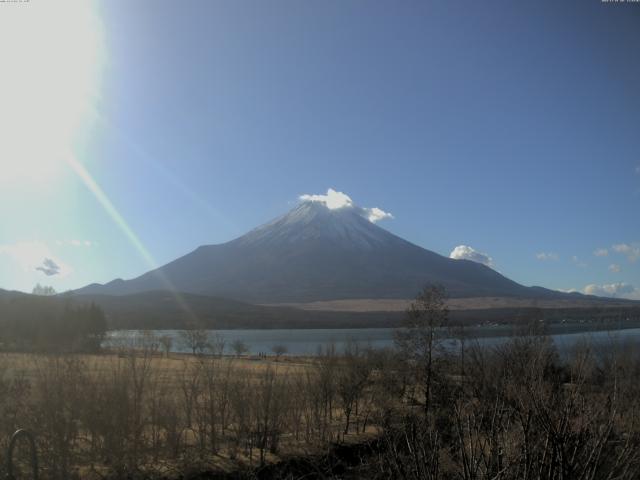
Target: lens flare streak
[112, 211]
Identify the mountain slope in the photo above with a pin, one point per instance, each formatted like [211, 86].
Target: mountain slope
[316, 253]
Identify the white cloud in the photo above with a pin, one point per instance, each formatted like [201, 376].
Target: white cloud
[614, 267]
[335, 200]
[632, 251]
[544, 256]
[34, 256]
[75, 243]
[638, 169]
[464, 252]
[578, 263]
[375, 214]
[568, 290]
[601, 252]
[615, 290]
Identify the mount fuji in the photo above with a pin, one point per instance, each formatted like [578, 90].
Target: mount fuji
[317, 252]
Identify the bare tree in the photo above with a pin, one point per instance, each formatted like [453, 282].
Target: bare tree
[460, 335]
[167, 342]
[421, 334]
[269, 405]
[217, 344]
[353, 377]
[147, 341]
[195, 339]
[279, 350]
[239, 347]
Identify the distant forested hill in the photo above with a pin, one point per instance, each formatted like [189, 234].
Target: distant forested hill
[33, 322]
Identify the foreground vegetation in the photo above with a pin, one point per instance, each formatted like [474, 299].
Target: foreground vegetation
[515, 412]
[419, 411]
[138, 413]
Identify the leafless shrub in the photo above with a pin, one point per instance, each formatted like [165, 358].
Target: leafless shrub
[239, 347]
[195, 339]
[279, 350]
[58, 394]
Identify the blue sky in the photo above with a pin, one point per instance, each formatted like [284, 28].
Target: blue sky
[509, 127]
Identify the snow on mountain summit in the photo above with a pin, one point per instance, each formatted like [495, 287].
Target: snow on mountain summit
[320, 221]
[334, 200]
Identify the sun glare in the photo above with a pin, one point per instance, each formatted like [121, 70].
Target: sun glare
[51, 54]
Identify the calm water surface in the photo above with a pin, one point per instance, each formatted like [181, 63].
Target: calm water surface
[308, 341]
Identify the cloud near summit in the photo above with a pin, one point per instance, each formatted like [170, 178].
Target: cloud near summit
[334, 200]
[465, 252]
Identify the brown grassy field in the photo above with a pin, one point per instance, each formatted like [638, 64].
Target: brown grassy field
[473, 303]
[139, 411]
[171, 367]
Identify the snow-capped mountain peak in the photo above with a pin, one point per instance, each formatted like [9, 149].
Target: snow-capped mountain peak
[316, 221]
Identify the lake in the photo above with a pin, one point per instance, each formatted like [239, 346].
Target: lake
[307, 341]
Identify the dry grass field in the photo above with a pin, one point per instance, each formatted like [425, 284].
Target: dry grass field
[131, 411]
[471, 303]
[170, 368]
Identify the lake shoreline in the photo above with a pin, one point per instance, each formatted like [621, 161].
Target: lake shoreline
[309, 342]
